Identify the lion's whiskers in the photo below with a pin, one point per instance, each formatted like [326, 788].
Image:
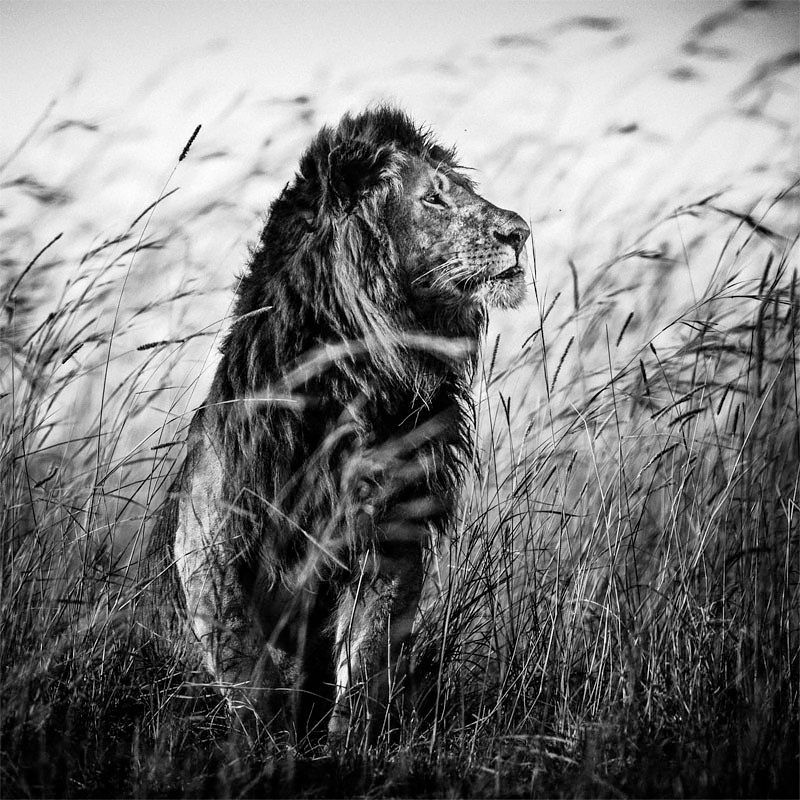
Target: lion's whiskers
[437, 270]
[461, 273]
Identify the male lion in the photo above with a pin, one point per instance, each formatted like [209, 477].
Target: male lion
[332, 440]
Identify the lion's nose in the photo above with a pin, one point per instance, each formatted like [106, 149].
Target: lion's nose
[515, 233]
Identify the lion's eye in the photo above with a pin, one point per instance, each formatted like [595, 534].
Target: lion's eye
[434, 198]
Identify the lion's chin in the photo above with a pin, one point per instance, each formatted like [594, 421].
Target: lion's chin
[504, 292]
[507, 288]
[504, 289]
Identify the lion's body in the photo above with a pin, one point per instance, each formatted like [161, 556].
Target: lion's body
[332, 442]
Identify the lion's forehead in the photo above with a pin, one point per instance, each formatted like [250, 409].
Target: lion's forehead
[472, 212]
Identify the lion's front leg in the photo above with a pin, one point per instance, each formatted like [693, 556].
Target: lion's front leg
[373, 628]
[233, 646]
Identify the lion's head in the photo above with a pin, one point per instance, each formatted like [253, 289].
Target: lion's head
[456, 247]
[382, 233]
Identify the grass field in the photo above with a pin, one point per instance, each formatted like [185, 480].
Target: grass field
[618, 613]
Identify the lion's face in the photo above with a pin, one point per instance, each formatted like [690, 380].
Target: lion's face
[454, 244]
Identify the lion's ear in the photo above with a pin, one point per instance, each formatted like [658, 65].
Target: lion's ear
[353, 169]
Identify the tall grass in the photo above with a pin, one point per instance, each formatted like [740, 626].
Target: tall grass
[624, 592]
[618, 612]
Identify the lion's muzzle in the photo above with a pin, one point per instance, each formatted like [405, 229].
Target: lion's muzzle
[514, 233]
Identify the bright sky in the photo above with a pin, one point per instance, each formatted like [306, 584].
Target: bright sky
[118, 45]
[281, 47]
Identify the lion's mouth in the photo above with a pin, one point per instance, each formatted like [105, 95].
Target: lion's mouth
[475, 282]
[507, 274]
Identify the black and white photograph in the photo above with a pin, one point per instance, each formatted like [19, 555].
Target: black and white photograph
[400, 399]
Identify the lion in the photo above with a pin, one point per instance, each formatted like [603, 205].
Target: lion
[327, 458]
